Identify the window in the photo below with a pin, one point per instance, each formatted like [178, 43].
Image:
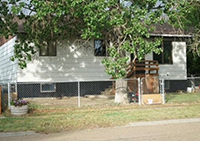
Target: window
[164, 57]
[99, 48]
[48, 87]
[48, 49]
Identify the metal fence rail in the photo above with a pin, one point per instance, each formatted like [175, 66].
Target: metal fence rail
[193, 84]
[87, 92]
[99, 89]
[91, 93]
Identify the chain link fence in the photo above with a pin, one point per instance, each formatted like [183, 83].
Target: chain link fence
[193, 84]
[8, 93]
[87, 93]
[4, 97]
[81, 93]
[94, 93]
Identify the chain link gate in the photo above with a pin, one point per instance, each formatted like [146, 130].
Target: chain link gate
[152, 90]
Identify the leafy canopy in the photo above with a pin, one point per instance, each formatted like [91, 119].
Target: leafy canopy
[188, 18]
[124, 25]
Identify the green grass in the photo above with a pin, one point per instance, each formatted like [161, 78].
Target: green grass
[182, 98]
[47, 120]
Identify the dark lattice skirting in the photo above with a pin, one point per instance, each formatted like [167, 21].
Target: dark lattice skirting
[63, 89]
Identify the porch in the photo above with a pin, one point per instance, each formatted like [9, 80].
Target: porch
[142, 68]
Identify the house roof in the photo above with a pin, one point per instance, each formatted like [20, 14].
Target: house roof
[167, 30]
[3, 40]
[20, 24]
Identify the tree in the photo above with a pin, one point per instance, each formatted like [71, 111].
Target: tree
[124, 25]
[187, 17]
[193, 65]
[125, 28]
[44, 23]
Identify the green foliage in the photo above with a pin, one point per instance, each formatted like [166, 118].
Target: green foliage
[115, 65]
[187, 17]
[193, 65]
[182, 98]
[43, 21]
[124, 26]
[19, 103]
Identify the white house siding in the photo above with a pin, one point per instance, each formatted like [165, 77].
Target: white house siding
[8, 68]
[177, 70]
[72, 63]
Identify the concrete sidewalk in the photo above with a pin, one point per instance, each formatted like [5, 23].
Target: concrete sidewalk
[165, 130]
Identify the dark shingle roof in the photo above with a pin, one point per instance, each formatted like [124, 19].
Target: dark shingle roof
[168, 30]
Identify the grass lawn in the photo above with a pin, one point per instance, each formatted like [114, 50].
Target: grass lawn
[183, 98]
[47, 120]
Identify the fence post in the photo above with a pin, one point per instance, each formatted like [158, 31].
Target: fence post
[9, 96]
[139, 91]
[163, 90]
[79, 95]
[16, 89]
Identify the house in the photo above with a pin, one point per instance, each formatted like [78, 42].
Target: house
[56, 72]
[173, 61]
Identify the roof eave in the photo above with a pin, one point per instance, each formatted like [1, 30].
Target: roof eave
[171, 35]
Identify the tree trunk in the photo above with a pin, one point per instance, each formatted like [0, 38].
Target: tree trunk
[121, 92]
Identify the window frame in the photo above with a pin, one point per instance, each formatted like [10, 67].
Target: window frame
[45, 47]
[162, 54]
[105, 52]
[47, 91]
